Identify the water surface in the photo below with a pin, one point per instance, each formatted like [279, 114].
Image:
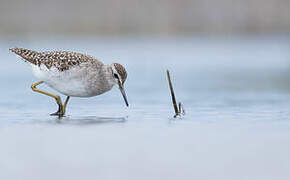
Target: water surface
[235, 93]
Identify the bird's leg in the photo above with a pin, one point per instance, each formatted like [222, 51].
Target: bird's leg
[64, 105]
[60, 111]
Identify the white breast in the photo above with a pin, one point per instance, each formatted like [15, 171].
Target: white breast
[71, 82]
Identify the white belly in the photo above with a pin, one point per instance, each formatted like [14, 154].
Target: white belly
[70, 83]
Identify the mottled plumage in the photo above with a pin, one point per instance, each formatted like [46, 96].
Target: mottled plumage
[62, 60]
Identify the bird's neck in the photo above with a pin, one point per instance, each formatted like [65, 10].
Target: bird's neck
[109, 75]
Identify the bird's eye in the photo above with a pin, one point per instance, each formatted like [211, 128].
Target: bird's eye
[116, 76]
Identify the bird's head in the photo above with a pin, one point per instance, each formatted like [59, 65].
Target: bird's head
[120, 75]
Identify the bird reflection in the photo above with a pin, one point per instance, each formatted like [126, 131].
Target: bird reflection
[87, 120]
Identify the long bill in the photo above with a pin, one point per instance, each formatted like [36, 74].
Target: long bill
[123, 93]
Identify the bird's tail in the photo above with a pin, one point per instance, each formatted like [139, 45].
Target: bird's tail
[28, 55]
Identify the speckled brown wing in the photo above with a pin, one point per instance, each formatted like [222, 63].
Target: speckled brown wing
[62, 60]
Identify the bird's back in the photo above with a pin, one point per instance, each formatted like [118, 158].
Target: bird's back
[62, 60]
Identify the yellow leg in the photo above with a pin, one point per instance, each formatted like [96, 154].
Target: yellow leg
[64, 105]
[60, 111]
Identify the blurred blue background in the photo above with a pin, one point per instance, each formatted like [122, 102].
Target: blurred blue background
[232, 44]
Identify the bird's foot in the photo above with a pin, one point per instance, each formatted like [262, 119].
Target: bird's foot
[58, 113]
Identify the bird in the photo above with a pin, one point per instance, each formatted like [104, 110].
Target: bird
[72, 74]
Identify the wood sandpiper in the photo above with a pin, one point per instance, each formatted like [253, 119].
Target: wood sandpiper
[72, 74]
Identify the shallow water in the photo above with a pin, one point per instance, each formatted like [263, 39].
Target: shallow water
[235, 93]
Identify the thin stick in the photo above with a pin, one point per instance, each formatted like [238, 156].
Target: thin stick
[172, 95]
